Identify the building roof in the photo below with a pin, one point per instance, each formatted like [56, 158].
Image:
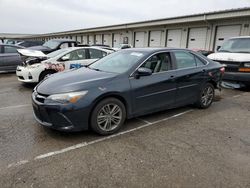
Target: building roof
[206, 16]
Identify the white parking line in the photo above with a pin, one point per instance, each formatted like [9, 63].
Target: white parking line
[17, 106]
[85, 144]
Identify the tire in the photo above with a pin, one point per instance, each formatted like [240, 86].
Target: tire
[206, 96]
[103, 121]
[45, 73]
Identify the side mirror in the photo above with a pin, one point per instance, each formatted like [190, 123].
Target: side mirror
[65, 58]
[218, 47]
[142, 71]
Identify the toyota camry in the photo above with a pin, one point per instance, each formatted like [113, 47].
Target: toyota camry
[124, 85]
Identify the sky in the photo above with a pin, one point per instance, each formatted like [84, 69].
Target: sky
[45, 16]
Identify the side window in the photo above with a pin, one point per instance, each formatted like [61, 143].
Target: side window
[199, 62]
[158, 63]
[184, 60]
[64, 45]
[9, 49]
[76, 55]
[95, 54]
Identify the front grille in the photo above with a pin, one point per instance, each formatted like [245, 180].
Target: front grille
[21, 77]
[232, 66]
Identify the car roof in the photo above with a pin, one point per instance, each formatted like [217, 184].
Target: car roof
[63, 40]
[152, 50]
[85, 47]
[240, 37]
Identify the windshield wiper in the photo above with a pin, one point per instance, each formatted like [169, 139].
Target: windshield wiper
[93, 68]
[242, 52]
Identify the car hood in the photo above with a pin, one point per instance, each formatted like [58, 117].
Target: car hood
[73, 80]
[31, 53]
[226, 56]
[40, 48]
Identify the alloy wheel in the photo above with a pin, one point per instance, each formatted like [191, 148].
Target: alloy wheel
[109, 117]
[207, 96]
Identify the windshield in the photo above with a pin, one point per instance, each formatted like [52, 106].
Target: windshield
[118, 62]
[57, 52]
[51, 44]
[240, 45]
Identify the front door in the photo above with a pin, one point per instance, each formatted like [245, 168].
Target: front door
[157, 91]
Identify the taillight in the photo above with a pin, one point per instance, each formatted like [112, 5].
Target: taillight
[222, 70]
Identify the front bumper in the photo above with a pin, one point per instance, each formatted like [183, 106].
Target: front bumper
[26, 75]
[68, 118]
[238, 77]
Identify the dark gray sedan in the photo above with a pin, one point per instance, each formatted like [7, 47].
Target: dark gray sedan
[125, 84]
[9, 58]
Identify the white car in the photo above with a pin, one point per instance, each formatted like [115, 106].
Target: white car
[38, 65]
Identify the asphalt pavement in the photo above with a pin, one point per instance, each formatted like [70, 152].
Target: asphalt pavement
[184, 147]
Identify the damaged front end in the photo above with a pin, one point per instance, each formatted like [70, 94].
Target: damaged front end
[30, 57]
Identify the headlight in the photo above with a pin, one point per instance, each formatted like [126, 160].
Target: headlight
[247, 65]
[66, 98]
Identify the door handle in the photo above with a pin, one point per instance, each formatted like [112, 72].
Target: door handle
[172, 77]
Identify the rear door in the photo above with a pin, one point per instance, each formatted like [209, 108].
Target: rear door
[189, 76]
[155, 92]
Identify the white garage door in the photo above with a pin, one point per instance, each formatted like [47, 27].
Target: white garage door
[139, 39]
[197, 38]
[155, 39]
[116, 40]
[225, 32]
[98, 39]
[174, 38]
[106, 39]
[85, 39]
[79, 39]
[91, 39]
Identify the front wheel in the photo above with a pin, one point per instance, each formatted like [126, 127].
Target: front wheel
[108, 116]
[45, 74]
[206, 96]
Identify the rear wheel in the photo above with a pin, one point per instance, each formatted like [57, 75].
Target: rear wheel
[108, 116]
[45, 74]
[206, 96]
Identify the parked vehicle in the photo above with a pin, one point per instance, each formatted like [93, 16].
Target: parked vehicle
[38, 65]
[29, 43]
[203, 52]
[55, 44]
[122, 47]
[125, 84]
[9, 57]
[12, 41]
[103, 46]
[235, 54]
